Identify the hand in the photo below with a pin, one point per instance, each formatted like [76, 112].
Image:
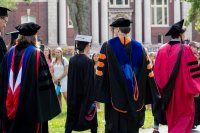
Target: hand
[56, 81]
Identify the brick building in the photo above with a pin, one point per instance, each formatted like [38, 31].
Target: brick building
[151, 19]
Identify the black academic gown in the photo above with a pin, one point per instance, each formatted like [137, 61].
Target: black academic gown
[3, 49]
[111, 84]
[197, 111]
[38, 101]
[80, 93]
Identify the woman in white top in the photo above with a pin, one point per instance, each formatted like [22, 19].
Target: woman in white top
[59, 73]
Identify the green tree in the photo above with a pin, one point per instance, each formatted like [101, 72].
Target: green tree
[11, 4]
[194, 14]
[28, 1]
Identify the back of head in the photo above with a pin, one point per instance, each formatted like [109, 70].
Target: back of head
[27, 32]
[123, 24]
[81, 41]
[176, 30]
[81, 45]
[26, 40]
[125, 30]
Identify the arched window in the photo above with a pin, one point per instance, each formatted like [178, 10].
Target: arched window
[27, 18]
[159, 12]
[119, 3]
[160, 38]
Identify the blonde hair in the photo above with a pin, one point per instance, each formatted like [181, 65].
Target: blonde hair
[59, 49]
[27, 39]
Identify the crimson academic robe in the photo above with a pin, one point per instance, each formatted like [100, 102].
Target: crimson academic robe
[38, 102]
[180, 111]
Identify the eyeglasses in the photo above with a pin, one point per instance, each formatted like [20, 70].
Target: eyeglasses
[5, 21]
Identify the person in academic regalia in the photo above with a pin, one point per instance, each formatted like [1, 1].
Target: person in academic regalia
[27, 95]
[180, 110]
[195, 48]
[3, 22]
[124, 81]
[81, 105]
[14, 36]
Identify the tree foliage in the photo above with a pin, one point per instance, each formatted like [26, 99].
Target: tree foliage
[194, 14]
[28, 1]
[11, 4]
[80, 15]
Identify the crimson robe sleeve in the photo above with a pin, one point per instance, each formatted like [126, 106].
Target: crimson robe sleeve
[191, 74]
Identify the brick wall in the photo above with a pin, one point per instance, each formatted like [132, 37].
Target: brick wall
[155, 31]
[38, 10]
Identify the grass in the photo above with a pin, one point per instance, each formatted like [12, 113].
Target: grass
[57, 125]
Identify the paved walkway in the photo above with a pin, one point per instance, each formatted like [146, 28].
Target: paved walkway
[163, 129]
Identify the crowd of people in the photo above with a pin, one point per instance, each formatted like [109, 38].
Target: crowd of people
[123, 76]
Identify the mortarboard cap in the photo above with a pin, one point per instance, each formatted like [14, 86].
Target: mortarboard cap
[14, 36]
[121, 22]
[176, 29]
[28, 29]
[13, 33]
[83, 38]
[4, 11]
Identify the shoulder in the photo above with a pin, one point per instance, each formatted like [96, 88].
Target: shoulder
[72, 58]
[187, 49]
[105, 44]
[136, 42]
[163, 47]
[103, 47]
[66, 62]
[113, 39]
[137, 46]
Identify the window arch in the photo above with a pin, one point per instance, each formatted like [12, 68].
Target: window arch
[160, 38]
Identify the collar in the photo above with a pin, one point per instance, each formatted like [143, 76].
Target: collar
[125, 40]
